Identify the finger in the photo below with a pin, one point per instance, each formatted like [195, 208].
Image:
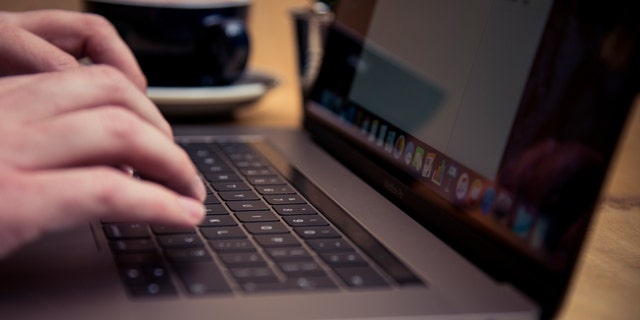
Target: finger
[82, 35]
[108, 136]
[75, 196]
[45, 95]
[23, 52]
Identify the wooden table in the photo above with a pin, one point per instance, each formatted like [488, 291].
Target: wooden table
[607, 282]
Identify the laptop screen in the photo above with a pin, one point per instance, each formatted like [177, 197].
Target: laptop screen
[507, 112]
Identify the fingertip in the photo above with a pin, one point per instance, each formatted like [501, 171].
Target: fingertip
[140, 80]
[199, 188]
[193, 209]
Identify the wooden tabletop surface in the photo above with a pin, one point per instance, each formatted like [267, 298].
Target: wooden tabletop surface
[607, 281]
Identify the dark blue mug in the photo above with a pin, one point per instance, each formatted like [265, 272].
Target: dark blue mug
[182, 43]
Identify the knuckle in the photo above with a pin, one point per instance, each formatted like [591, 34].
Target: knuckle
[113, 198]
[4, 23]
[106, 73]
[109, 79]
[8, 31]
[6, 20]
[95, 23]
[61, 61]
[120, 124]
[19, 153]
[109, 192]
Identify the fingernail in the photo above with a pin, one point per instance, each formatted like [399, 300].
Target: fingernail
[198, 186]
[193, 208]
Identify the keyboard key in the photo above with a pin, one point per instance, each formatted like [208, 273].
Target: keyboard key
[137, 259]
[211, 199]
[217, 221]
[360, 277]
[342, 259]
[294, 209]
[265, 180]
[278, 240]
[253, 274]
[232, 245]
[288, 254]
[206, 157]
[305, 221]
[238, 195]
[179, 241]
[212, 165]
[133, 245]
[230, 186]
[249, 164]
[284, 199]
[146, 278]
[266, 227]
[256, 171]
[298, 283]
[322, 232]
[255, 205]
[188, 254]
[172, 230]
[329, 245]
[198, 150]
[214, 177]
[132, 275]
[201, 278]
[256, 216]
[126, 230]
[153, 289]
[243, 259]
[141, 275]
[241, 157]
[301, 268]
[270, 189]
[232, 232]
[215, 209]
[206, 163]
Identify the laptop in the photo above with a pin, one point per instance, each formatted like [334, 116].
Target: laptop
[451, 158]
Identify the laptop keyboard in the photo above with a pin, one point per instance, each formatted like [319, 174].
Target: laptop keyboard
[260, 234]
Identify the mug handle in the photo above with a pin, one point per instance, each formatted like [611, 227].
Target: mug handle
[229, 41]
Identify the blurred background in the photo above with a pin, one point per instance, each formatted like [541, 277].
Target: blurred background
[272, 51]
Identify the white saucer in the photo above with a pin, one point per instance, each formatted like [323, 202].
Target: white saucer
[188, 101]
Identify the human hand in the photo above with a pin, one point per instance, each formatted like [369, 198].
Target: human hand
[54, 40]
[62, 135]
